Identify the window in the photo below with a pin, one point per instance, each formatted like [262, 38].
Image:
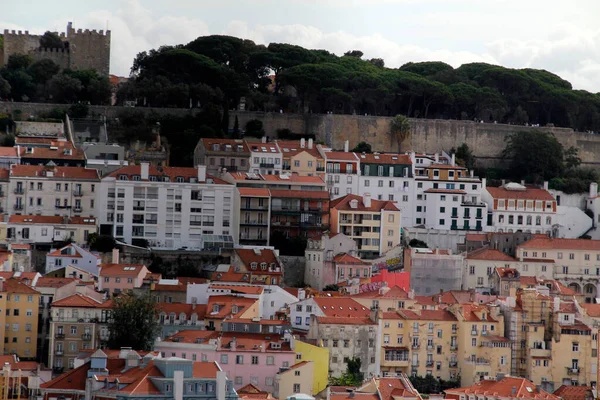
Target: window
[224, 358]
[239, 359]
[575, 346]
[254, 360]
[296, 388]
[270, 360]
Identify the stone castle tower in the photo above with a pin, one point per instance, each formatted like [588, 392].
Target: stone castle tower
[84, 49]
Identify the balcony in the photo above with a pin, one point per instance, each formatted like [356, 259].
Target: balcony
[137, 221]
[60, 335]
[572, 371]
[415, 346]
[18, 207]
[59, 352]
[539, 352]
[478, 361]
[78, 193]
[285, 210]
[429, 363]
[151, 221]
[453, 347]
[286, 167]
[453, 364]
[254, 223]
[58, 206]
[86, 336]
[1, 194]
[19, 190]
[267, 165]
[77, 209]
[320, 169]
[253, 207]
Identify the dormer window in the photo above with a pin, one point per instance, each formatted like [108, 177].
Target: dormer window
[152, 178]
[180, 179]
[136, 178]
[240, 147]
[216, 308]
[166, 179]
[253, 265]
[29, 150]
[273, 265]
[215, 147]
[122, 177]
[68, 152]
[235, 309]
[263, 266]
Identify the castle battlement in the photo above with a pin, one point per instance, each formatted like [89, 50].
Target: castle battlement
[51, 50]
[92, 32]
[19, 33]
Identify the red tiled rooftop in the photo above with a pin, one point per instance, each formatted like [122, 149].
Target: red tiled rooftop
[569, 392]
[341, 307]
[254, 192]
[50, 220]
[343, 203]
[340, 156]
[120, 269]
[348, 259]
[300, 194]
[79, 300]
[171, 172]
[528, 194]
[489, 255]
[385, 158]
[504, 388]
[560, 244]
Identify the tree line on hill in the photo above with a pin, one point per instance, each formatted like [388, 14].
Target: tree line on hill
[222, 69]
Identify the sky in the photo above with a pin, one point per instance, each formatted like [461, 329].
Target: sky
[560, 36]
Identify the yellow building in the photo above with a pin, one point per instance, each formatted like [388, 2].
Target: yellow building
[301, 157]
[21, 319]
[319, 356]
[373, 224]
[296, 379]
[387, 299]
[419, 342]
[482, 348]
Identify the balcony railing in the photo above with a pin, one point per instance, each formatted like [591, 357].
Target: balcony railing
[60, 335]
[429, 364]
[254, 223]
[453, 364]
[286, 167]
[253, 207]
[320, 169]
[18, 206]
[572, 371]
[267, 165]
[77, 193]
[59, 352]
[77, 209]
[19, 190]
[86, 336]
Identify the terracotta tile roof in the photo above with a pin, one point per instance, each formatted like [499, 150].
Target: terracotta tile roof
[341, 307]
[178, 308]
[300, 194]
[348, 259]
[574, 392]
[50, 220]
[58, 252]
[343, 203]
[567, 307]
[340, 156]
[507, 272]
[345, 321]
[392, 388]
[209, 142]
[470, 313]
[35, 140]
[292, 148]
[449, 191]
[395, 292]
[476, 237]
[248, 256]
[254, 192]
[253, 342]
[528, 194]
[293, 291]
[50, 153]
[592, 310]
[495, 338]
[421, 315]
[246, 289]
[16, 246]
[445, 166]
[59, 173]
[15, 286]
[81, 301]
[226, 305]
[193, 336]
[171, 172]
[385, 158]
[54, 282]
[357, 396]
[577, 326]
[425, 301]
[561, 244]
[270, 148]
[561, 289]
[295, 366]
[489, 255]
[528, 281]
[120, 269]
[261, 322]
[503, 388]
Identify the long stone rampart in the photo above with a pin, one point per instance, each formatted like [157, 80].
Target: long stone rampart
[427, 135]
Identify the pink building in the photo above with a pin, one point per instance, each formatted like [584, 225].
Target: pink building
[349, 267]
[245, 357]
[400, 279]
[117, 278]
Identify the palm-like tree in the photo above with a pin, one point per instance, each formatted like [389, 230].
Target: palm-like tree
[400, 128]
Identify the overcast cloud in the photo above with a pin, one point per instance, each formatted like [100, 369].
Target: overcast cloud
[561, 37]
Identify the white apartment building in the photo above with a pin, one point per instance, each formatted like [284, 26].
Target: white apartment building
[75, 256]
[265, 158]
[29, 229]
[515, 207]
[448, 197]
[52, 190]
[342, 173]
[166, 206]
[389, 177]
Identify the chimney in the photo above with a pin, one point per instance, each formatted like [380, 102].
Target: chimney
[302, 143]
[503, 182]
[472, 172]
[367, 200]
[522, 182]
[483, 183]
[310, 143]
[593, 189]
[124, 352]
[263, 139]
[178, 385]
[201, 173]
[115, 256]
[81, 289]
[346, 146]
[453, 161]
[437, 158]
[221, 385]
[545, 185]
[144, 171]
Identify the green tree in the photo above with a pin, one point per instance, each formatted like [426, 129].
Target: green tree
[4, 88]
[254, 128]
[354, 53]
[332, 287]
[65, 88]
[464, 156]
[101, 243]
[43, 70]
[352, 376]
[417, 244]
[535, 155]
[51, 40]
[400, 128]
[236, 128]
[133, 322]
[19, 61]
[362, 147]
[79, 110]
[7, 140]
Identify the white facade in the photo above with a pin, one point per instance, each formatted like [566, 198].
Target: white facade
[342, 170]
[319, 270]
[27, 231]
[169, 208]
[265, 158]
[301, 311]
[75, 256]
[43, 190]
[516, 208]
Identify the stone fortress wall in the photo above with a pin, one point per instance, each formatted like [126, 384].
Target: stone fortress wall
[427, 135]
[86, 49]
